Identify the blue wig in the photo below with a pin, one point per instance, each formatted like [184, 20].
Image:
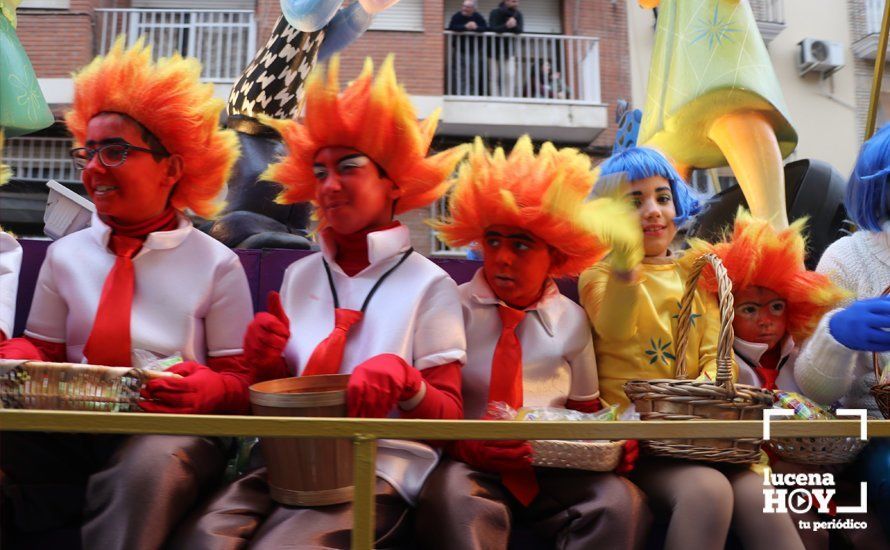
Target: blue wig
[639, 163]
[868, 191]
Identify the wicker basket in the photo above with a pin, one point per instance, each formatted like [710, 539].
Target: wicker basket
[881, 392]
[595, 456]
[682, 399]
[71, 386]
[818, 450]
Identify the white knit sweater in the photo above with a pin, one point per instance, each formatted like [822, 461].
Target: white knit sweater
[827, 371]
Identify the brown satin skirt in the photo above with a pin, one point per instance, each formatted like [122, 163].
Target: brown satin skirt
[119, 492]
[243, 514]
[464, 508]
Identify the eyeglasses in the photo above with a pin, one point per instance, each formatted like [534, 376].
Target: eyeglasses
[111, 155]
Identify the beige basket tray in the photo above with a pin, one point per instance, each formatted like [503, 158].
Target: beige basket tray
[818, 450]
[71, 386]
[681, 399]
[594, 456]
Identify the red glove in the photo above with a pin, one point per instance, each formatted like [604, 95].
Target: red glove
[266, 339]
[378, 384]
[628, 457]
[511, 459]
[589, 406]
[494, 456]
[201, 390]
[33, 349]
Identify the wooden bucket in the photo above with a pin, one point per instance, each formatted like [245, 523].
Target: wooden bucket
[305, 472]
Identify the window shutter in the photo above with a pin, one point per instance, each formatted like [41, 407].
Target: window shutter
[407, 15]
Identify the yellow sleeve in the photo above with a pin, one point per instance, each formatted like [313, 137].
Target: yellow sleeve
[610, 303]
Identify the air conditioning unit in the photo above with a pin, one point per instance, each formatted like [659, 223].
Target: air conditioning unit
[822, 56]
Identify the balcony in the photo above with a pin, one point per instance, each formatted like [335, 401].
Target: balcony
[34, 160]
[867, 46]
[223, 40]
[503, 86]
[770, 17]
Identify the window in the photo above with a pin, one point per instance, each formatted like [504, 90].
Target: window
[407, 15]
[40, 159]
[46, 4]
[438, 210]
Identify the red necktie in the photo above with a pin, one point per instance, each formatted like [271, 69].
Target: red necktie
[506, 364]
[506, 386]
[328, 355]
[109, 341]
[767, 377]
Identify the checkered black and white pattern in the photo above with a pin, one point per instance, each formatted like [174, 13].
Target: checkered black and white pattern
[273, 82]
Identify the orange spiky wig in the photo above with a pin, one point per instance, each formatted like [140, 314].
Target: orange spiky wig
[544, 194]
[757, 255]
[374, 116]
[168, 99]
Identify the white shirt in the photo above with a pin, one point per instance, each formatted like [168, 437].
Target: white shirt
[414, 314]
[191, 293]
[10, 264]
[827, 370]
[748, 354]
[558, 361]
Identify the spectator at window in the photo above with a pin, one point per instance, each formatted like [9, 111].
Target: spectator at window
[467, 19]
[466, 75]
[506, 17]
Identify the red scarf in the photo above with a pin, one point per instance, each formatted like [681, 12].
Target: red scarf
[109, 341]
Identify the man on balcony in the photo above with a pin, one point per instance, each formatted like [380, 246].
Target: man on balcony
[466, 76]
[506, 18]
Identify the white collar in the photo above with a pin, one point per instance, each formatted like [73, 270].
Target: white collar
[382, 245]
[544, 307]
[158, 240]
[752, 352]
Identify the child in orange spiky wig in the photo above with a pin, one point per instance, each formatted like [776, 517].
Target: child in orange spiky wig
[545, 194]
[168, 99]
[149, 145]
[778, 302]
[373, 116]
[527, 344]
[366, 306]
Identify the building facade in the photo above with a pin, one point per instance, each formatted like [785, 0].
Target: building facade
[560, 80]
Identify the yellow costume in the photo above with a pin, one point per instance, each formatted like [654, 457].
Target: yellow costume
[634, 324]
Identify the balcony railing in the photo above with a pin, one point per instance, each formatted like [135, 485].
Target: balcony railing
[529, 67]
[223, 40]
[768, 11]
[40, 159]
[874, 12]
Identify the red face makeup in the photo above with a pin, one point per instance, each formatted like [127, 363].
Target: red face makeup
[351, 191]
[761, 316]
[516, 264]
[654, 202]
[139, 188]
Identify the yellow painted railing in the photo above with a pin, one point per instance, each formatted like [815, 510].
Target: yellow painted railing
[366, 432]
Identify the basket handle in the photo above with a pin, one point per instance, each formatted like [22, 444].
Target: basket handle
[684, 320]
[874, 354]
[149, 374]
